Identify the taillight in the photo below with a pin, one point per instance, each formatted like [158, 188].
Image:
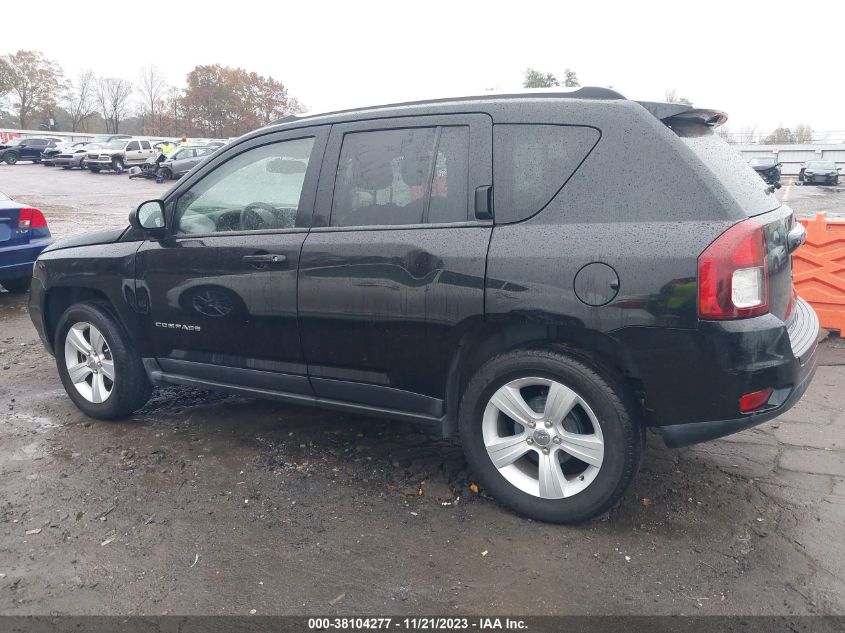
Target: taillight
[30, 219]
[733, 274]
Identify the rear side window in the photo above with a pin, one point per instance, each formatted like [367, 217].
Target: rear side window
[531, 163]
[727, 165]
[400, 177]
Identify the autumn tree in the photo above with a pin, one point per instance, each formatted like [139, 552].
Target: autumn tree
[34, 82]
[79, 99]
[221, 101]
[113, 99]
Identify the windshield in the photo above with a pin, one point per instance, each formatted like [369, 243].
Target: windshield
[728, 166]
[821, 164]
[115, 144]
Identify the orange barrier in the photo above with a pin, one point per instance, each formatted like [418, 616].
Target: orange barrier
[819, 270]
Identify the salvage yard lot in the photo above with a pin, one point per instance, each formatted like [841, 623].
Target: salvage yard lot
[205, 503]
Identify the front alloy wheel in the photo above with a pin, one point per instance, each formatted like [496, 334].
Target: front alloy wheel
[543, 437]
[89, 362]
[99, 364]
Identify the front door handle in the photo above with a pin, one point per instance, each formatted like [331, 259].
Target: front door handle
[264, 259]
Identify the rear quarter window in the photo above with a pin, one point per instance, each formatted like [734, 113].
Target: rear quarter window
[531, 163]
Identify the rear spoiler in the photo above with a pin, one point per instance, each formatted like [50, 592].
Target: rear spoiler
[668, 112]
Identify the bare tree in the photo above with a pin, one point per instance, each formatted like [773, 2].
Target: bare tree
[80, 99]
[113, 98]
[153, 89]
[803, 133]
[671, 96]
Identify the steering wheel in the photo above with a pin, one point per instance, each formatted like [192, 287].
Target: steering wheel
[255, 215]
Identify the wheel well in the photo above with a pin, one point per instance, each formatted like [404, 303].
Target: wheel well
[57, 300]
[597, 350]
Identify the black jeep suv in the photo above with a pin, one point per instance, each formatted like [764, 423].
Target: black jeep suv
[465, 264]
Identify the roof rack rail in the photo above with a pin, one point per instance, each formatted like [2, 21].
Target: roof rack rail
[586, 92]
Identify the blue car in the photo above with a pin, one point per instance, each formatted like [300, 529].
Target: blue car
[23, 235]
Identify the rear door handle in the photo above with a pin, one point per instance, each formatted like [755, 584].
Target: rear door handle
[264, 259]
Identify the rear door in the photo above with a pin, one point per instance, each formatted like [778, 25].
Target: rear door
[392, 273]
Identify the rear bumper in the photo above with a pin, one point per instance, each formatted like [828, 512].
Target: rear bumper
[789, 374]
[17, 261]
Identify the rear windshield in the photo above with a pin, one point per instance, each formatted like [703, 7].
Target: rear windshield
[752, 194]
[821, 164]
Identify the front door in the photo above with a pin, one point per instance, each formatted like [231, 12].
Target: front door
[392, 272]
[218, 295]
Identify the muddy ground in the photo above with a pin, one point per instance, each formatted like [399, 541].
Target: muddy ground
[210, 504]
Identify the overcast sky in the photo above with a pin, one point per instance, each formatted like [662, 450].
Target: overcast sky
[761, 62]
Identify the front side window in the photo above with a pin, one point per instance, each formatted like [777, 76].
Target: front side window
[257, 190]
[401, 177]
[145, 145]
[133, 146]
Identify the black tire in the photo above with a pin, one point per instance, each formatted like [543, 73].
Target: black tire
[10, 157]
[94, 170]
[165, 174]
[131, 388]
[66, 167]
[17, 285]
[117, 164]
[621, 430]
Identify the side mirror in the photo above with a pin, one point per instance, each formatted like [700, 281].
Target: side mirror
[149, 217]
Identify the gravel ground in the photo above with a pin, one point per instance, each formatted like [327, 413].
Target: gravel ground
[211, 504]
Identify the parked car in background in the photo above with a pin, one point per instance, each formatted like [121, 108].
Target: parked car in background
[23, 235]
[49, 155]
[768, 168]
[819, 172]
[118, 154]
[182, 160]
[105, 138]
[75, 156]
[360, 261]
[26, 149]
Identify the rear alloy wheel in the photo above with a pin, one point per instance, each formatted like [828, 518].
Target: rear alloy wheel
[552, 448]
[99, 367]
[548, 436]
[11, 158]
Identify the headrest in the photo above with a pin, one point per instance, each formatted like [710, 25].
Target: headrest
[415, 169]
[373, 175]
